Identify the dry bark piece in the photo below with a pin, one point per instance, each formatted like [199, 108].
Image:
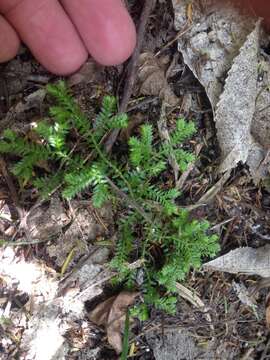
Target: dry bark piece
[236, 106]
[222, 45]
[244, 260]
[178, 344]
[210, 43]
[111, 314]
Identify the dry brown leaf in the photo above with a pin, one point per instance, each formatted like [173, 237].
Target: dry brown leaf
[116, 319]
[267, 312]
[99, 315]
[90, 72]
[111, 313]
[153, 80]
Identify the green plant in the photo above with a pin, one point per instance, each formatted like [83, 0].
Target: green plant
[151, 227]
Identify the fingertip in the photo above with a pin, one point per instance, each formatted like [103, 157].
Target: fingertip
[9, 41]
[117, 47]
[64, 64]
[106, 28]
[50, 35]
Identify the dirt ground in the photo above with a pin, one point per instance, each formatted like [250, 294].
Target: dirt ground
[225, 328]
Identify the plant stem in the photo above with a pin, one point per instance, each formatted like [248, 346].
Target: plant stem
[132, 203]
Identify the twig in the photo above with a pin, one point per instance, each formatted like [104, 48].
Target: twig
[164, 135]
[108, 276]
[12, 189]
[21, 213]
[247, 354]
[132, 69]
[182, 179]
[22, 242]
[129, 201]
[265, 351]
[177, 37]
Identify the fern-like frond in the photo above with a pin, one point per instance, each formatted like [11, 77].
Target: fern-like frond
[101, 194]
[162, 196]
[108, 109]
[184, 159]
[77, 182]
[136, 151]
[67, 109]
[152, 228]
[118, 121]
[55, 135]
[141, 151]
[47, 184]
[17, 145]
[126, 240]
[184, 131]
[156, 167]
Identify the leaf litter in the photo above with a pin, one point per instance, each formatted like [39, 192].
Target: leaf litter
[223, 49]
[238, 44]
[111, 314]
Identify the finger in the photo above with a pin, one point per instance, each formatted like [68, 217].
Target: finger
[46, 29]
[105, 27]
[9, 41]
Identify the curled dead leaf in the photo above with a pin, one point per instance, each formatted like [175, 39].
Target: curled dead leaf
[90, 72]
[153, 80]
[267, 311]
[99, 315]
[111, 314]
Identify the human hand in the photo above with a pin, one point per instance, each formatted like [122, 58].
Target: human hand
[60, 34]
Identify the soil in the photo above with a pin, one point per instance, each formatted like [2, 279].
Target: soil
[227, 328]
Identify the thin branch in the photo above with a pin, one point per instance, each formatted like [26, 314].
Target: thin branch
[12, 189]
[129, 201]
[165, 136]
[132, 69]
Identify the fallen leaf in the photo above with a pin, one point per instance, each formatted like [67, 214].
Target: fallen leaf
[267, 312]
[236, 106]
[111, 314]
[99, 315]
[152, 79]
[244, 260]
[90, 72]
[210, 43]
[235, 72]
